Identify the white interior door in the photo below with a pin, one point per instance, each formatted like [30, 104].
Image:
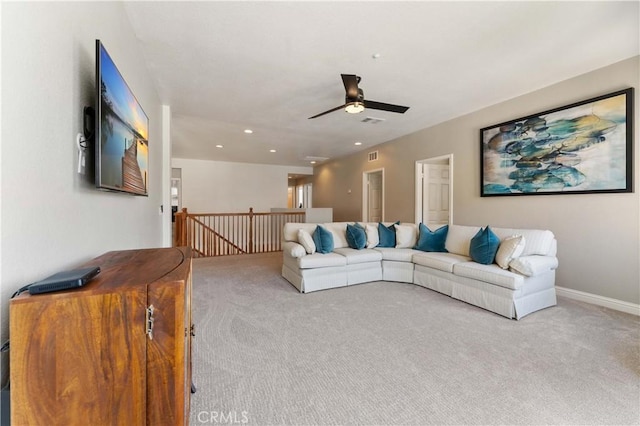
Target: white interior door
[308, 195]
[435, 195]
[434, 191]
[373, 196]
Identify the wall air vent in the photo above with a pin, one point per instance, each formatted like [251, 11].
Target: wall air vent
[373, 156]
[373, 120]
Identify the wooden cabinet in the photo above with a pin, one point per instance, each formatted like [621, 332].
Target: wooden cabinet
[114, 352]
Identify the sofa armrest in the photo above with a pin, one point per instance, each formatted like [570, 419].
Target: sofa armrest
[533, 265]
[293, 249]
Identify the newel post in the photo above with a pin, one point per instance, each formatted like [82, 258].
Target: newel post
[250, 229]
[181, 228]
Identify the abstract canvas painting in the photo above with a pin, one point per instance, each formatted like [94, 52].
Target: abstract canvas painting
[585, 147]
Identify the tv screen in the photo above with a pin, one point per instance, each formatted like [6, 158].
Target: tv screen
[122, 131]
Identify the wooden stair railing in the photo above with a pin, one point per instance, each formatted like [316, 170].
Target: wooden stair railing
[209, 233]
[220, 234]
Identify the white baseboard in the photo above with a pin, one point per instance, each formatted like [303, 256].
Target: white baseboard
[594, 299]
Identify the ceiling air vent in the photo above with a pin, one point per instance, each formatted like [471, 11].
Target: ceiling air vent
[373, 156]
[317, 159]
[373, 120]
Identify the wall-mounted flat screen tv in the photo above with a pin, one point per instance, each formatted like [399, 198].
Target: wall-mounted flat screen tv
[122, 131]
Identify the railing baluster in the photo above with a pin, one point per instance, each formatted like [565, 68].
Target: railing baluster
[235, 228]
[219, 234]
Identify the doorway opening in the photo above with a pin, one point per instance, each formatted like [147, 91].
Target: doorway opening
[300, 191]
[373, 196]
[176, 200]
[434, 191]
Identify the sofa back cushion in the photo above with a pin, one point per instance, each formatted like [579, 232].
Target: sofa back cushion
[510, 248]
[356, 236]
[290, 230]
[459, 237]
[339, 232]
[406, 235]
[537, 241]
[484, 246]
[387, 235]
[306, 240]
[373, 238]
[323, 240]
[433, 241]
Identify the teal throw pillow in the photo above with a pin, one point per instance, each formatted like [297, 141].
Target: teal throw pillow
[484, 246]
[429, 240]
[387, 235]
[323, 240]
[356, 237]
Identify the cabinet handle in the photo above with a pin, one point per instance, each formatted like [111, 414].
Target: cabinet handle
[149, 323]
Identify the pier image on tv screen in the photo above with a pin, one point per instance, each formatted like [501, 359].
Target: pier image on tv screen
[122, 154]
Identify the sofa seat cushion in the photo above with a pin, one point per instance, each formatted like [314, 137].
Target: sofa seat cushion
[359, 256]
[492, 274]
[319, 260]
[533, 265]
[397, 254]
[441, 261]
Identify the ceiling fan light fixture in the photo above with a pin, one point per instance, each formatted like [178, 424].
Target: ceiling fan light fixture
[354, 107]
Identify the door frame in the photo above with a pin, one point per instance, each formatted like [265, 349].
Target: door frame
[419, 214]
[365, 193]
[178, 182]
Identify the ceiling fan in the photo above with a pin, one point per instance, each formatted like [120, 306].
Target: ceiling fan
[355, 102]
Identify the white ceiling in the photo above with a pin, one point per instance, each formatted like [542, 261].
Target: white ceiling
[267, 66]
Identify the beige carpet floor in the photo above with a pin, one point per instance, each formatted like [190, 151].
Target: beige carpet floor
[393, 353]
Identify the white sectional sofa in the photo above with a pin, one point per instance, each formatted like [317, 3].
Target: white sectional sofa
[526, 286]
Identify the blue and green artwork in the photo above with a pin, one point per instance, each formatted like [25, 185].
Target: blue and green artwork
[581, 148]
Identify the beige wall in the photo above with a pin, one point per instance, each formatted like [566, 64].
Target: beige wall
[52, 217]
[598, 234]
[226, 187]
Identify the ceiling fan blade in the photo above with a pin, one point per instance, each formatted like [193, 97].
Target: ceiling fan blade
[327, 112]
[385, 107]
[350, 82]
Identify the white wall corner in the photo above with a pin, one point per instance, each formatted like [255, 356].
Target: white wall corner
[594, 299]
[166, 176]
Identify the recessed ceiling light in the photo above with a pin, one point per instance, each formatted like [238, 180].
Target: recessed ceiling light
[358, 143]
[248, 131]
[218, 146]
[312, 162]
[375, 55]
[272, 150]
